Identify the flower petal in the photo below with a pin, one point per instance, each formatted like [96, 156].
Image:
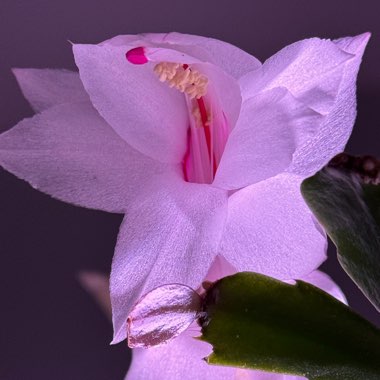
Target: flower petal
[179, 359]
[324, 282]
[182, 359]
[70, 153]
[230, 58]
[332, 135]
[310, 69]
[264, 140]
[169, 235]
[45, 88]
[123, 40]
[270, 230]
[259, 375]
[148, 114]
[220, 268]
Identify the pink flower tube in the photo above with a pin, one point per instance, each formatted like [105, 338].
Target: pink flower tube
[198, 143]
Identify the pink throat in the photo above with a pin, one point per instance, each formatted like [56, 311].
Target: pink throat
[208, 130]
[207, 136]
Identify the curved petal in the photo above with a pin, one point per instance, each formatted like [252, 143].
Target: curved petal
[137, 127]
[324, 282]
[148, 114]
[156, 42]
[264, 140]
[219, 268]
[310, 69]
[170, 235]
[45, 88]
[332, 135]
[123, 40]
[259, 375]
[70, 153]
[182, 359]
[179, 359]
[230, 58]
[270, 230]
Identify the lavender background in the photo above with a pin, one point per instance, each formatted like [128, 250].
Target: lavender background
[49, 327]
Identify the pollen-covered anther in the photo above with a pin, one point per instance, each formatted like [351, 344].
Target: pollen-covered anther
[166, 70]
[183, 78]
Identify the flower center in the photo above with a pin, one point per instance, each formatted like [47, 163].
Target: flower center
[208, 128]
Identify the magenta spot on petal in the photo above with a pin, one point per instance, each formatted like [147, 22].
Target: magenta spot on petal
[136, 56]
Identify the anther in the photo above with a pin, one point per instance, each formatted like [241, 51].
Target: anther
[183, 78]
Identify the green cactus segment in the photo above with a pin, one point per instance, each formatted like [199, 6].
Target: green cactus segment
[256, 322]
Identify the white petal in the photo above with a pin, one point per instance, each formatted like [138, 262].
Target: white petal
[146, 113]
[230, 58]
[332, 135]
[270, 230]
[264, 140]
[170, 235]
[69, 152]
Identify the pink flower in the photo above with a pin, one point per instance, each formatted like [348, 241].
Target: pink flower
[202, 146]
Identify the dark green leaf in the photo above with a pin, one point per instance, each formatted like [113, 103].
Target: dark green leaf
[254, 321]
[346, 201]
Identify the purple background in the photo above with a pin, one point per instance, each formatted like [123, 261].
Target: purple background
[49, 327]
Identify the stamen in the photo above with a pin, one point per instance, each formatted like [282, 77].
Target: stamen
[183, 78]
[166, 72]
[208, 127]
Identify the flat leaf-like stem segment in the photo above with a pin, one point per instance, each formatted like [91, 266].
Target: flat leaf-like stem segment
[254, 321]
[345, 197]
